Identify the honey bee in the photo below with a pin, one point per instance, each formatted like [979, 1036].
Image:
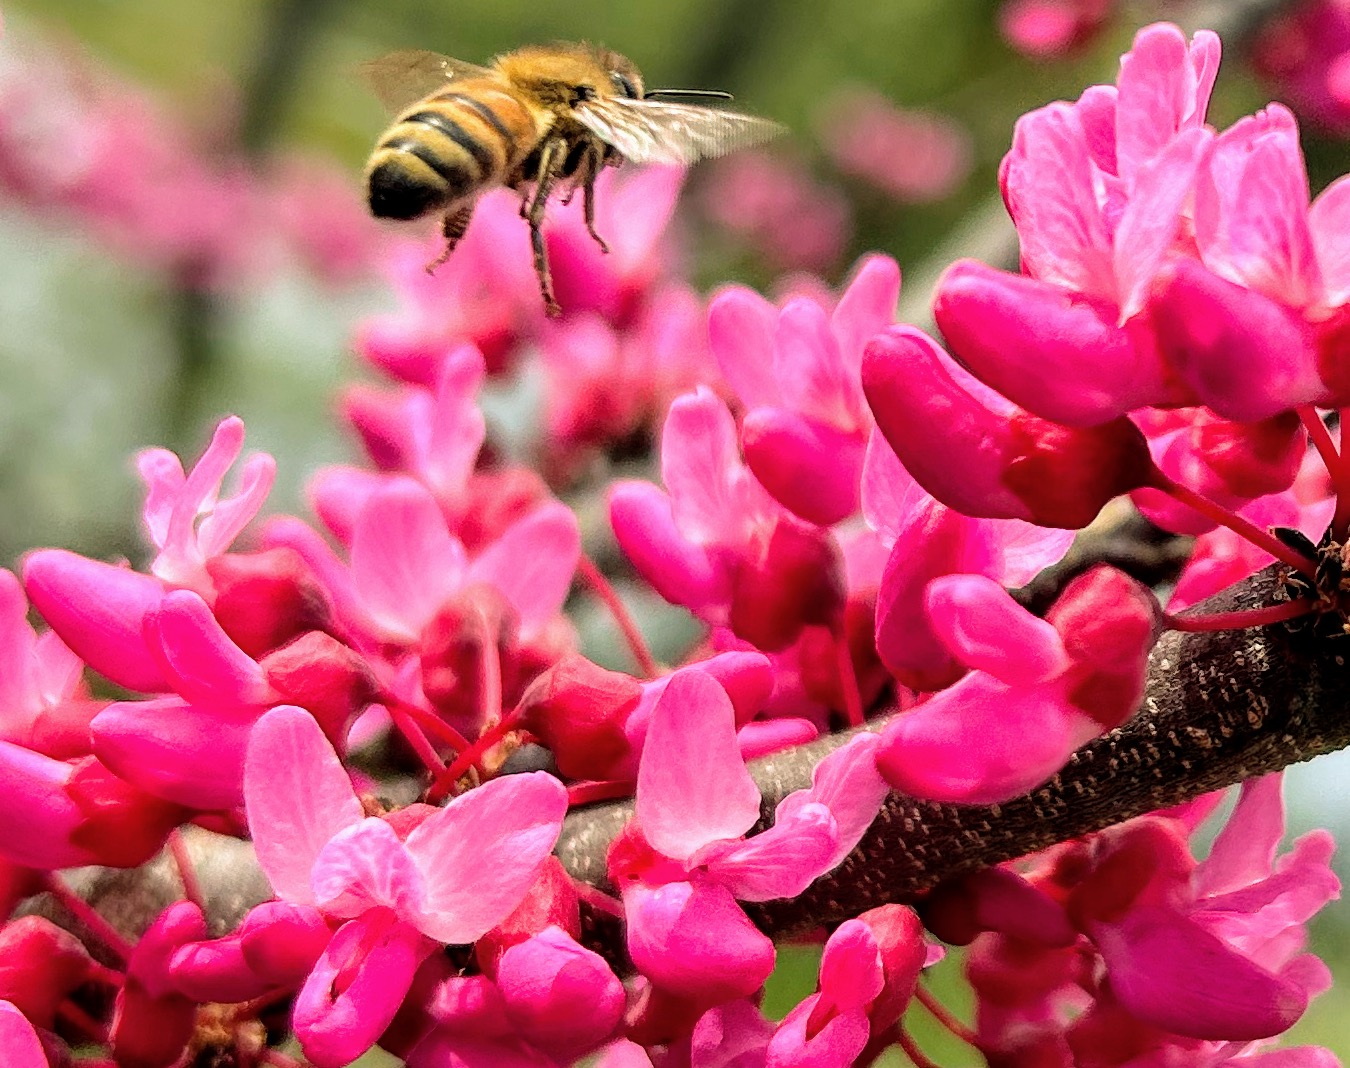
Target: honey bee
[537, 120]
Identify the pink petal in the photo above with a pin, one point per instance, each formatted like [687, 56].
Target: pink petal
[693, 787]
[481, 853]
[809, 369]
[338, 494]
[1049, 189]
[1244, 850]
[19, 696]
[1251, 209]
[231, 515]
[297, 796]
[1329, 222]
[890, 496]
[841, 1040]
[37, 818]
[694, 941]
[851, 974]
[356, 988]
[19, 1043]
[282, 941]
[1052, 350]
[701, 467]
[98, 610]
[1179, 978]
[766, 736]
[849, 785]
[175, 750]
[200, 661]
[780, 862]
[1022, 550]
[865, 308]
[365, 866]
[981, 742]
[532, 564]
[405, 561]
[457, 429]
[811, 468]
[984, 628]
[741, 326]
[680, 571]
[215, 970]
[1159, 94]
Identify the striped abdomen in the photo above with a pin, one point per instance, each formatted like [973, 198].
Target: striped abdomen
[446, 148]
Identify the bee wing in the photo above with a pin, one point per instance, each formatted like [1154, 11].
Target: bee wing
[400, 78]
[654, 131]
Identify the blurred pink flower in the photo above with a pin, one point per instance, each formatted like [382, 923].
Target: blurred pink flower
[1305, 52]
[913, 156]
[1043, 29]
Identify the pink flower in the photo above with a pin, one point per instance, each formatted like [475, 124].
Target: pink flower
[1304, 51]
[40, 966]
[716, 542]
[914, 156]
[460, 871]
[153, 1022]
[682, 869]
[19, 1043]
[797, 373]
[1038, 690]
[1043, 29]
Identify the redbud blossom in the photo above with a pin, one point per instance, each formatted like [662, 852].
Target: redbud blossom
[19, 1043]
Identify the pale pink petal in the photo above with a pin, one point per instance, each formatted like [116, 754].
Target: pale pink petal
[780, 862]
[1329, 221]
[741, 326]
[1147, 230]
[848, 783]
[98, 610]
[984, 628]
[364, 866]
[1159, 95]
[1023, 550]
[1244, 851]
[796, 1044]
[356, 988]
[807, 364]
[732, 1035]
[889, 493]
[175, 751]
[1251, 209]
[693, 787]
[20, 1046]
[694, 941]
[20, 698]
[866, 307]
[765, 736]
[1049, 188]
[532, 564]
[405, 561]
[457, 428]
[480, 854]
[232, 514]
[297, 796]
[701, 467]
[338, 494]
[201, 663]
[162, 473]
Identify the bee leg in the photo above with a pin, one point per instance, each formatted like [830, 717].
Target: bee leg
[588, 203]
[536, 216]
[453, 227]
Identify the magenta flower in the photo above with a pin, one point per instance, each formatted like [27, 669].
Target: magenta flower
[19, 1043]
[457, 874]
[797, 373]
[687, 861]
[1044, 29]
[1038, 688]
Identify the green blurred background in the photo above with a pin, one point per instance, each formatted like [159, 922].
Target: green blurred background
[100, 356]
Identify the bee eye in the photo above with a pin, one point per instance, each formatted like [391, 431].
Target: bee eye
[623, 83]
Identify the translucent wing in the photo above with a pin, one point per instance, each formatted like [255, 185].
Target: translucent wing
[653, 131]
[400, 78]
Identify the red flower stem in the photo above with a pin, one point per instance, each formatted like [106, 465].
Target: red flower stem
[943, 1015]
[585, 793]
[598, 899]
[1321, 439]
[428, 721]
[77, 1018]
[600, 586]
[97, 973]
[413, 733]
[446, 779]
[89, 916]
[491, 706]
[1251, 617]
[912, 1051]
[1244, 528]
[848, 679]
[187, 874]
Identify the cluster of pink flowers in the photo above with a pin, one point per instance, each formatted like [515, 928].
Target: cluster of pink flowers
[79, 146]
[844, 508]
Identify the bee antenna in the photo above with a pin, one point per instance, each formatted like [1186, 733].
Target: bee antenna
[716, 94]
